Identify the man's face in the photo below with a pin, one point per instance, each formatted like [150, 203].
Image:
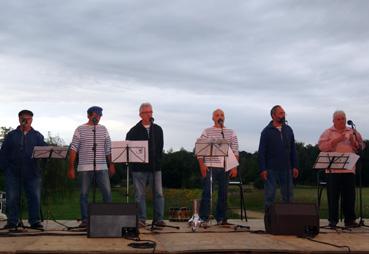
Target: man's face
[25, 121]
[339, 121]
[94, 115]
[217, 115]
[146, 114]
[279, 114]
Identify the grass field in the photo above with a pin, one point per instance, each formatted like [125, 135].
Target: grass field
[68, 207]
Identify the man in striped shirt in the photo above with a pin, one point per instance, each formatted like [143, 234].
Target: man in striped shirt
[218, 131]
[83, 144]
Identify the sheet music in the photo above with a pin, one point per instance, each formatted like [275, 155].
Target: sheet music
[138, 151]
[57, 152]
[213, 150]
[341, 161]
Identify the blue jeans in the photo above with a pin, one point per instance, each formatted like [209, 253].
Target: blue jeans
[102, 182]
[270, 186]
[32, 188]
[140, 180]
[220, 176]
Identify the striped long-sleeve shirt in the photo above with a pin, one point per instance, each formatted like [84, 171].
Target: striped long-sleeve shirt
[216, 133]
[82, 143]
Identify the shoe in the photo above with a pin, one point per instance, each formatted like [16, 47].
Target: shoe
[352, 224]
[141, 224]
[223, 223]
[37, 225]
[160, 223]
[10, 226]
[204, 223]
[332, 225]
[83, 224]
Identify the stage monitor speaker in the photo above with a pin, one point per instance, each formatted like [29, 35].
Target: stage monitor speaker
[112, 220]
[298, 219]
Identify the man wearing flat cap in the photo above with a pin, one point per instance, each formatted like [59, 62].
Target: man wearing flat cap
[88, 171]
[22, 171]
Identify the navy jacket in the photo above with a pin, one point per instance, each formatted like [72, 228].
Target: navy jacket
[16, 152]
[139, 132]
[277, 150]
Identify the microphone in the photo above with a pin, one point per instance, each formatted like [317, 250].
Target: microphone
[24, 121]
[351, 123]
[220, 122]
[94, 120]
[283, 120]
[151, 119]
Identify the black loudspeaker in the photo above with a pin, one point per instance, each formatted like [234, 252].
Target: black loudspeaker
[112, 220]
[298, 219]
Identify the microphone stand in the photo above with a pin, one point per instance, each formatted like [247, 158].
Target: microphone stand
[94, 162]
[359, 169]
[288, 152]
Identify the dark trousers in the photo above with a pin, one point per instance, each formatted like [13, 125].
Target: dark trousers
[341, 185]
[221, 177]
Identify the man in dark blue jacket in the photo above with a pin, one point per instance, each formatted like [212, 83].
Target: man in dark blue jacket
[21, 170]
[277, 157]
[143, 172]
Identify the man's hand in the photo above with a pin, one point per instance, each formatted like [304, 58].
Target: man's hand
[71, 173]
[111, 169]
[233, 172]
[264, 175]
[337, 140]
[295, 173]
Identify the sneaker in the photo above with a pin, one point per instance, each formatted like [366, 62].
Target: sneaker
[160, 223]
[37, 225]
[141, 224]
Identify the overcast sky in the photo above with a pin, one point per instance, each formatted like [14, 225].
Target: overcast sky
[187, 58]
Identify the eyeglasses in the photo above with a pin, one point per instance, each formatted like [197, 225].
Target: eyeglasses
[146, 112]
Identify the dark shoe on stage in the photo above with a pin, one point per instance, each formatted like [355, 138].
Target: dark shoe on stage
[224, 223]
[10, 227]
[37, 225]
[332, 225]
[160, 223]
[83, 224]
[352, 224]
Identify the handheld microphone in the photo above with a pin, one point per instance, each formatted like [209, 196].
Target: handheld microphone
[24, 121]
[94, 120]
[151, 119]
[351, 123]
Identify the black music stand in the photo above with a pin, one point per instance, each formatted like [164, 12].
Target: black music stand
[129, 151]
[212, 148]
[329, 161]
[48, 153]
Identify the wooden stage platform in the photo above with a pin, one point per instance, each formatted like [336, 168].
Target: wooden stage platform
[215, 239]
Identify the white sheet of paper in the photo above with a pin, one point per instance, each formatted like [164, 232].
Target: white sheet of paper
[231, 160]
[138, 151]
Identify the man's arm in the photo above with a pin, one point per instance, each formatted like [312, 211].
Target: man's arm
[203, 167]
[262, 157]
[72, 159]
